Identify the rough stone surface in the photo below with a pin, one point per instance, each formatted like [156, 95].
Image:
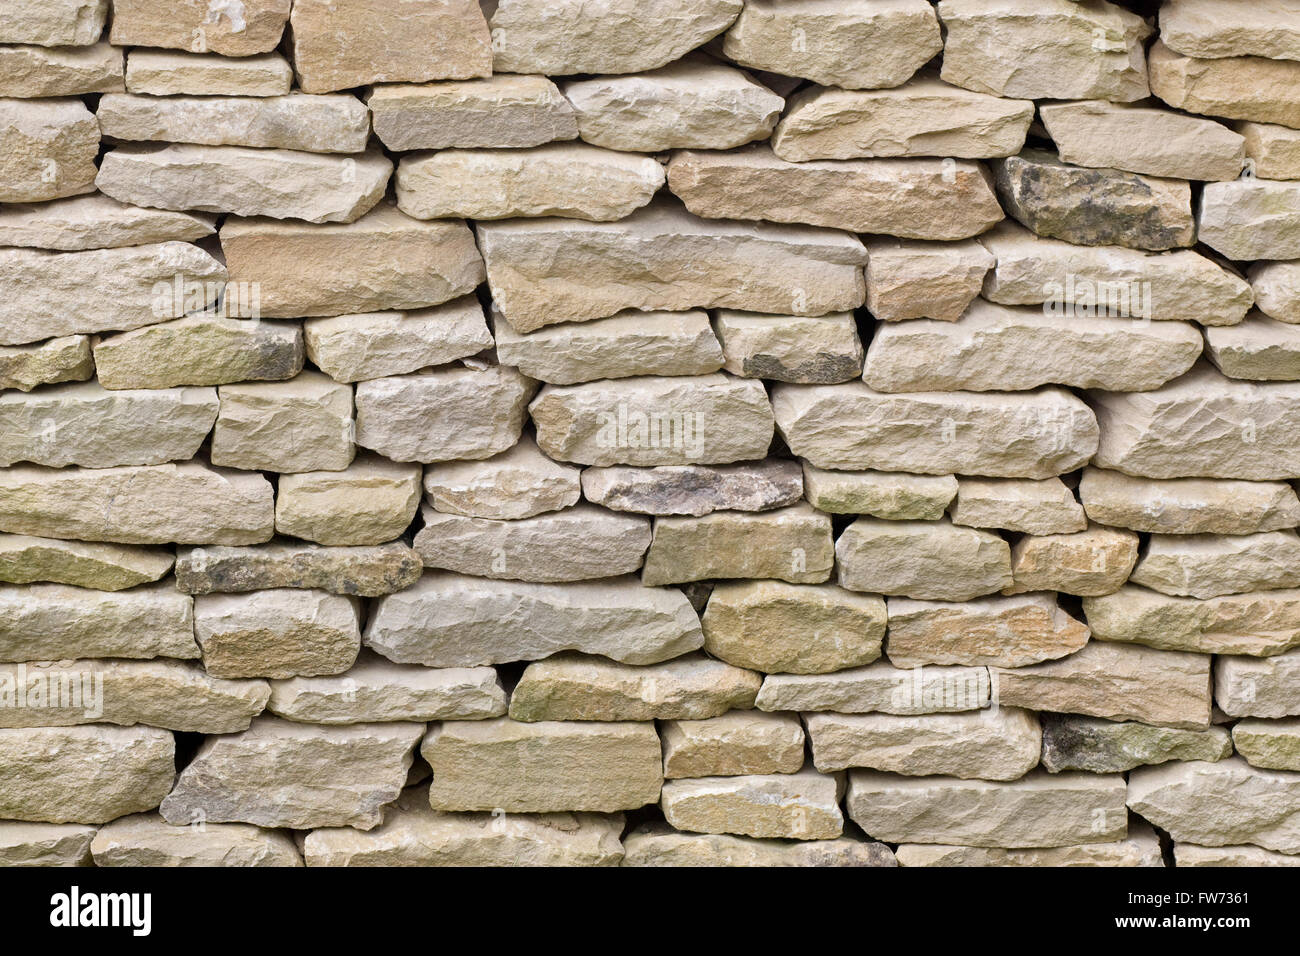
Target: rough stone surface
[1259, 349]
[662, 846]
[53, 22]
[1103, 746]
[695, 490]
[518, 483]
[1206, 566]
[252, 26]
[47, 149]
[893, 495]
[798, 806]
[372, 501]
[1272, 744]
[908, 279]
[168, 73]
[1031, 507]
[1201, 28]
[96, 222]
[146, 839]
[277, 633]
[1087, 563]
[1238, 87]
[45, 844]
[40, 71]
[818, 350]
[65, 359]
[1258, 687]
[921, 559]
[303, 424]
[360, 570]
[1188, 505]
[1140, 848]
[1257, 624]
[1001, 631]
[1251, 219]
[1273, 151]
[104, 567]
[732, 744]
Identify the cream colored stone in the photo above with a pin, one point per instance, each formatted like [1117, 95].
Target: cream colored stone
[167, 73]
[931, 560]
[1273, 151]
[1239, 87]
[695, 489]
[907, 279]
[1207, 566]
[819, 350]
[894, 495]
[1205, 28]
[1071, 742]
[363, 571]
[1041, 507]
[1140, 848]
[879, 687]
[1251, 219]
[146, 839]
[45, 844]
[732, 745]
[371, 501]
[303, 424]
[660, 845]
[1272, 744]
[280, 183]
[32, 71]
[47, 149]
[104, 567]
[1258, 687]
[1277, 289]
[1087, 563]
[518, 483]
[1187, 854]
[53, 22]
[999, 631]
[1188, 505]
[250, 26]
[55, 360]
[450, 620]
[1257, 624]
[277, 633]
[96, 222]
[797, 806]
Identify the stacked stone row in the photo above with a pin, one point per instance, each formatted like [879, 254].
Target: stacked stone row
[797, 432]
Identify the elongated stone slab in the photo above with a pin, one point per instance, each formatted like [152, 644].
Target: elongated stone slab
[660, 845]
[1071, 742]
[896, 496]
[1238, 87]
[1140, 848]
[695, 489]
[1188, 854]
[53, 22]
[363, 571]
[1188, 505]
[1204, 28]
[518, 483]
[1030, 507]
[1258, 686]
[879, 687]
[733, 744]
[1207, 566]
[1257, 624]
[25, 559]
[97, 222]
[65, 359]
[278, 633]
[254, 26]
[46, 844]
[998, 631]
[794, 806]
[146, 839]
[39, 71]
[169, 73]
[928, 560]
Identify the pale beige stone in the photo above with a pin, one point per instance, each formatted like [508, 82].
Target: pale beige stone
[772, 626]
[55, 360]
[695, 489]
[363, 571]
[1000, 435]
[1042, 507]
[1273, 151]
[797, 806]
[200, 26]
[850, 45]
[652, 420]
[515, 111]
[908, 279]
[371, 501]
[168, 73]
[1239, 87]
[998, 745]
[1251, 219]
[546, 271]
[53, 22]
[32, 71]
[146, 839]
[384, 260]
[47, 149]
[281, 774]
[819, 350]
[894, 495]
[518, 483]
[931, 560]
[1188, 505]
[997, 631]
[791, 544]
[1208, 29]
[1087, 563]
[303, 424]
[277, 633]
[733, 744]
[625, 345]
[1206, 566]
[562, 37]
[83, 774]
[1117, 682]
[1062, 50]
[45, 844]
[96, 222]
[1277, 289]
[450, 620]
[339, 44]
[280, 183]
[1258, 687]
[105, 567]
[187, 502]
[1156, 142]
[1188, 854]
[543, 767]
[1140, 848]
[879, 687]
[443, 414]
[1257, 624]
[1071, 742]
[660, 845]
[1271, 744]
[909, 198]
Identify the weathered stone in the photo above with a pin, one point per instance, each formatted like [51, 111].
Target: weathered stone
[853, 46]
[280, 183]
[694, 103]
[1087, 563]
[1201, 425]
[83, 423]
[51, 622]
[146, 839]
[999, 745]
[372, 501]
[893, 495]
[1251, 219]
[518, 483]
[83, 774]
[186, 502]
[363, 571]
[819, 350]
[659, 845]
[38, 71]
[1059, 50]
[1043, 507]
[547, 271]
[574, 687]
[378, 690]
[56, 360]
[1238, 87]
[104, 567]
[695, 489]
[1258, 624]
[47, 149]
[96, 222]
[1277, 289]
[1038, 810]
[563, 37]
[443, 414]
[1187, 854]
[1103, 746]
[204, 348]
[514, 111]
[1002, 348]
[796, 806]
[907, 279]
[449, 620]
[277, 633]
[1140, 848]
[542, 767]
[1205, 28]
[1110, 281]
[340, 44]
[45, 844]
[281, 774]
[560, 179]
[303, 424]
[925, 117]
[732, 745]
[414, 834]
[879, 687]
[250, 26]
[1000, 631]
[1123, 209]
[1272, 744]
[792, 544]
[1258, 687]
[910, 198]
[1188, 505]
[1117, 682]
[628, 344]
[384, 260]
[1033, 435]
[1155, 142]
[53, 22]
[652, 420]
[1207, 566]
[166, 73]
[772, 626]
[1273, 151]
[1220, 804]
[162, 693]
[930, 560]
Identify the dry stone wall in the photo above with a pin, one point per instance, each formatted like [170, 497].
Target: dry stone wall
[656, 432]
